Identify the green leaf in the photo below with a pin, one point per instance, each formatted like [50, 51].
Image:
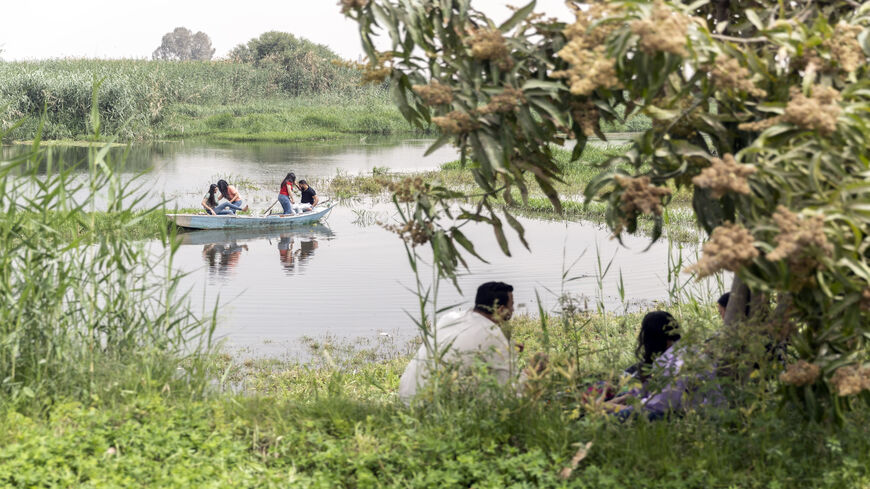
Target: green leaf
[517, 17]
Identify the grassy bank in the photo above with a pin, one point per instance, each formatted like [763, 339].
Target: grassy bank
[223, 100]
[335, 422]
[680, 222]
[145, 100]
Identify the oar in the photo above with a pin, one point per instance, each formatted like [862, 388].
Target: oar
[270, 208]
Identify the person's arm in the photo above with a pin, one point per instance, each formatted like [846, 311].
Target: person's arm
[316, 199]
[289, 186]
[234, 194]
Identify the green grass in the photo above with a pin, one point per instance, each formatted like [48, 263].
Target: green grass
[334, 422]
[146, 100]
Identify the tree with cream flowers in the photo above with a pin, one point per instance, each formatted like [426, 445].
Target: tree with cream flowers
[760, 108]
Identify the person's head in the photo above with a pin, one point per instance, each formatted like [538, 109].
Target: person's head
[495, 300]
[223, 186]
[212, 201]
[722, 303]
[303, 184]
[658, 332]
[290, 178]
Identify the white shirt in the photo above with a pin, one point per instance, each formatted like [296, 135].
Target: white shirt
[467, 336]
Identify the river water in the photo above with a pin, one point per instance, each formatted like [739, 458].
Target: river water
[348, 277]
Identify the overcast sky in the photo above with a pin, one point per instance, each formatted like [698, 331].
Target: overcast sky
[133, 29]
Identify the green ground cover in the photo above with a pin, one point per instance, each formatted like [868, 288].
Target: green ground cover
[335, 422]
[224, 100]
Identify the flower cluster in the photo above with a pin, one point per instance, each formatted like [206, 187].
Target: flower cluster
[348, 5]
[818, 112]
[725, 175]
[798, 236]
[845, 48]
[489, 45]
[665, 30]
[407, 189]
[729, 74]
[378, 72]
[639, 196]
[504, 102]
[456, 122]
[586, 115]
[434, 93]
[730, 247]
[851, 380]
[585, 53]
[800, 373]
[412, 232]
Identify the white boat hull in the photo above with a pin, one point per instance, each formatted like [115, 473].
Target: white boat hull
[275, 221]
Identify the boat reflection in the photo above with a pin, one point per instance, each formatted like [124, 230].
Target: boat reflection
[222, 249]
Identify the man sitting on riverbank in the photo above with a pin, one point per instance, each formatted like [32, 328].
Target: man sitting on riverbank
[462, 339]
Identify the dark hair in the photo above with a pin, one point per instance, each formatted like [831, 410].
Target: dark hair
[291, 177]
[303, 182]
[490, 295]
[656, 329]
[212, 202]
[222, 186]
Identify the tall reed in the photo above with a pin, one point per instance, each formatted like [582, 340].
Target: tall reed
[94, 317]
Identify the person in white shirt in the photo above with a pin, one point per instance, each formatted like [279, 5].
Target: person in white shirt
[463, 338]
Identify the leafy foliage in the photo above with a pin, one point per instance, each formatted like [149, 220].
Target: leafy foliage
[300, 66]
[760, 111]
[183, 45]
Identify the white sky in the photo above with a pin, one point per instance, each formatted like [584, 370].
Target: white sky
[133, 29]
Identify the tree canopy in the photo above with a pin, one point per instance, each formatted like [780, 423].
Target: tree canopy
[183, 45]
[301, 65]
[759, 108]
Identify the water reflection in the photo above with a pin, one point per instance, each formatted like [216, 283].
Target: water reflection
[222, 258]
[222, 249]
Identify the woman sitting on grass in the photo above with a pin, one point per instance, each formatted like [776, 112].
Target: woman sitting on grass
[659, 362]
[665, 388]
[233, 202]
[209, 202]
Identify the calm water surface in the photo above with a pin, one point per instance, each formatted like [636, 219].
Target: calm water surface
[349, 277]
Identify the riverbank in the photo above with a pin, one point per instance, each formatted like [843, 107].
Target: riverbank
[143, 100]
[335, 422]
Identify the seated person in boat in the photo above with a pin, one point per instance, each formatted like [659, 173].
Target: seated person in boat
[285, 194]
[233, 202]
[209, 202]
[464, 339]
[309, 196]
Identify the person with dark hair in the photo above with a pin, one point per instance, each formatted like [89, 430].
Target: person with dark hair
[209, 202]
[233, 202]
[657, 357]
[462, 338]
[660, 361]
[309, 196]
[285, 193]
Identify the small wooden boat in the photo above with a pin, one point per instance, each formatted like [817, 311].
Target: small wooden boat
[274, 221]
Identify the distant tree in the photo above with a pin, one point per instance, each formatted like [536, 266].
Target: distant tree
[182, 45]
[300, 65]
